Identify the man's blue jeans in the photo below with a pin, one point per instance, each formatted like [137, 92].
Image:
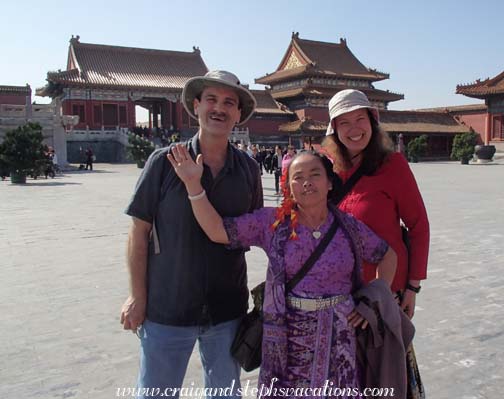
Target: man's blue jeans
[165, 352]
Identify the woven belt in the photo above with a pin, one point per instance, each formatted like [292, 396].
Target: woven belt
[311, 304]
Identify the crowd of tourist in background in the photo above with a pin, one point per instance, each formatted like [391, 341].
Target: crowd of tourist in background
[272, 160]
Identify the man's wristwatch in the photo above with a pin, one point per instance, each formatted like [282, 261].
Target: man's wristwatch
[416, 290]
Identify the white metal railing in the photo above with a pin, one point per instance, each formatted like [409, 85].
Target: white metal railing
[119, 134]
[12, 111]
[42, 111]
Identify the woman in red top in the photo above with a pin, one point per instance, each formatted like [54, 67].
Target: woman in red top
[384, 195]
[387, 192]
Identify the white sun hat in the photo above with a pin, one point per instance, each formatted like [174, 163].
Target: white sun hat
[195, 86]
[346, 101]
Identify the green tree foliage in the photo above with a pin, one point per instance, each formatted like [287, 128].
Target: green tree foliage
[140, 148]
[417, 148]
[22, 151]
[463, 146]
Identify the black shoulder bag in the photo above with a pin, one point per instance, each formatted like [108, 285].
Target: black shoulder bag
[246, 346]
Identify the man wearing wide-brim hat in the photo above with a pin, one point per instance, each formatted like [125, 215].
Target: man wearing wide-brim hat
[184, 288]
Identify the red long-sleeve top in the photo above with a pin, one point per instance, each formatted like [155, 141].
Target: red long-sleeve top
[380, 201]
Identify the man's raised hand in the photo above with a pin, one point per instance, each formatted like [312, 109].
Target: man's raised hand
[187, 170]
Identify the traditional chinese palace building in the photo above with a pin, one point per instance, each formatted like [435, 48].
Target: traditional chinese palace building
[492, 91]
[103, 84]
[311, 72]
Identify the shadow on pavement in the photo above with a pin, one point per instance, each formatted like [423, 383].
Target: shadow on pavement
[45, 183]
[72, 172]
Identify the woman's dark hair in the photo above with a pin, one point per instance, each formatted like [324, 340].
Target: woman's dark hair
[326, 163]
[379, 147]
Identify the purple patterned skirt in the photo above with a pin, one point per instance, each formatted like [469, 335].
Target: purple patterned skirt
[321, 354]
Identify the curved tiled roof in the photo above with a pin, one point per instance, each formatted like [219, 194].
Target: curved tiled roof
[284, 74]
[420, 122]
[306, 125]
[328, 92]
[482, 89]
[336, 58]
[128, 67]
[71, 76]
[15, 89]
[377, 94]
[415, 122]
[456, 108]
[267, 105]
[322, 58]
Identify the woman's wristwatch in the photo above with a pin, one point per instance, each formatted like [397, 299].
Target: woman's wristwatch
[416, 290]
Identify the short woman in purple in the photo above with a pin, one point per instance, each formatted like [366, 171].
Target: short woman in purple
[309, 335]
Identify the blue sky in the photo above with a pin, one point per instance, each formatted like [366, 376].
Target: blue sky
[427, 47]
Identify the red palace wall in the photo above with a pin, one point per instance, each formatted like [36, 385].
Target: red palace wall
[13, 99]
[262, 127]
[89, 107]
[89, 113]
[66, 107]
[476, 121]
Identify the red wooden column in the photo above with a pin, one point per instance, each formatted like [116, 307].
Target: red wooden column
[89, 113]
[131, 115]
[488, 127]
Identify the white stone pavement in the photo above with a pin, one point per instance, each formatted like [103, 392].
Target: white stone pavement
[63, 280]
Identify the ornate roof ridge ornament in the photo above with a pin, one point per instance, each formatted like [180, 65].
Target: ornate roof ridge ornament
[75, 39]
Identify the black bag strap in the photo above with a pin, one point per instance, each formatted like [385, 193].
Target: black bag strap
[345, 188]
[313, 257]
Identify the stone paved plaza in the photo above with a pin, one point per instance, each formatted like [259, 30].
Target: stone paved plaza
[63, 280]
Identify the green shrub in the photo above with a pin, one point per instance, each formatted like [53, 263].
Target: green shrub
[463, 146]
[417, 148]
[140, 148]
[22, 151]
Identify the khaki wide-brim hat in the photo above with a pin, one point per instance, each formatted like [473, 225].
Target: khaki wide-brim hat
[195, 86]
[346, 101]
